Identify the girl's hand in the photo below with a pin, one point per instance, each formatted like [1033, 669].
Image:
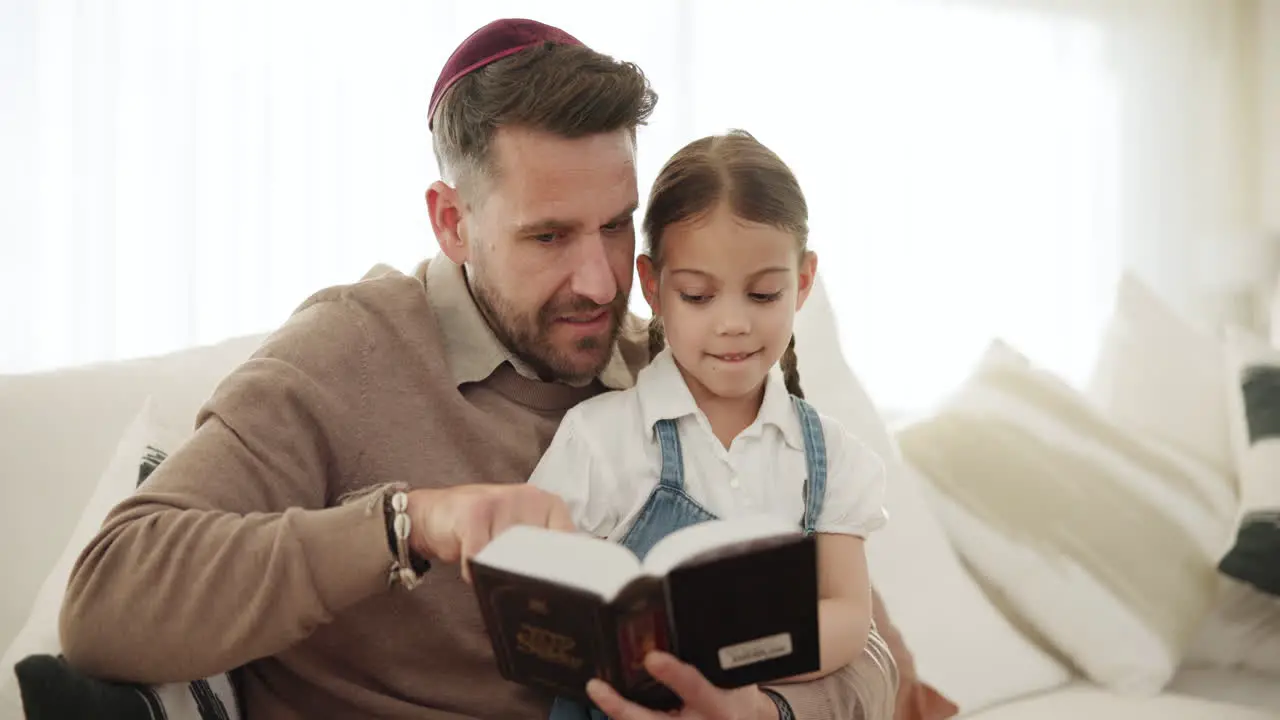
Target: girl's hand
[702, 700]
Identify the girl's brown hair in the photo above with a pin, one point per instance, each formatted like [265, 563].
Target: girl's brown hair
[759, 187]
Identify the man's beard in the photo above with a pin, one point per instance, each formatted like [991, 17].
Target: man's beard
[528, 335]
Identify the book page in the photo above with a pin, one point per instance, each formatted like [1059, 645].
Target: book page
[687, 543]
[573, 559]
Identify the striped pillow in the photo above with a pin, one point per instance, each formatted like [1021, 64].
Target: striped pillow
[211, 698]
[1254, 369]
[1099, 543]
[1244, 629]
[53, 690]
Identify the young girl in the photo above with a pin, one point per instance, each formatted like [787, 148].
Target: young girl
[710, 428]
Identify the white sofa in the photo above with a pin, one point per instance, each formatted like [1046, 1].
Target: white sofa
[60, 429]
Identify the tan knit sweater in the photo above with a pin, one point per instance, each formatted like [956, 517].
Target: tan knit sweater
[238, 552]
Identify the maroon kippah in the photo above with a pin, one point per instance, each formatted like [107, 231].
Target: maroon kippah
[490, 43]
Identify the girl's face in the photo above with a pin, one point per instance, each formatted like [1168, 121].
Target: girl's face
[727, 292]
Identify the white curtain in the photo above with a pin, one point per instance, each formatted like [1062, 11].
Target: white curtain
[175, 172]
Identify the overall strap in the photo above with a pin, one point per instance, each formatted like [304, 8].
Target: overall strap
[672, 457]
[815, 459]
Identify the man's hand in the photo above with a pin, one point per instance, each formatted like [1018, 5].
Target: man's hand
[453, 524]
[702, 700]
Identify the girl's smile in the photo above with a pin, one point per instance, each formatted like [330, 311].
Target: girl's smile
[736, 357]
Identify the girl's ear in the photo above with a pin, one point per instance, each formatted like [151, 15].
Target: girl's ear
[649, 283]
[808, 271]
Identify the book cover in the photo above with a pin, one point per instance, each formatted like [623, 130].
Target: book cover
[738, 603]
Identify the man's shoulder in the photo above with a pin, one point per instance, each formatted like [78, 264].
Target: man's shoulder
[383, 288]
[352, 317]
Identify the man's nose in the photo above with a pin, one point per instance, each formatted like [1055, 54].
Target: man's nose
[592, 275]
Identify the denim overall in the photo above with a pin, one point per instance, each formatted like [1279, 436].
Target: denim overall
[669, 508]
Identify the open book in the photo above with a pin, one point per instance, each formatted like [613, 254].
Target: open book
[738, 599]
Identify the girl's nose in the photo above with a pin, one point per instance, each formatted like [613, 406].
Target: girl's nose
[733, 321]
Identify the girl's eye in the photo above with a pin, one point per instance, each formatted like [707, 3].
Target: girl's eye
[695, 299]
[766, 297]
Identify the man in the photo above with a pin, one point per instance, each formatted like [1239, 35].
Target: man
[308, 532]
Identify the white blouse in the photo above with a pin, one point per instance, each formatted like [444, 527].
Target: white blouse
[605, 460]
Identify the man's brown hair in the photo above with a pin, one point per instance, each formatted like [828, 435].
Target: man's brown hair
[567, 90]
[758, 186]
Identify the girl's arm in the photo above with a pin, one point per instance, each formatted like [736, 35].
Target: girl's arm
[852, 509]
[844, 603]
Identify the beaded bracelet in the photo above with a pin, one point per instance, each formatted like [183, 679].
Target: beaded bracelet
[407, 567]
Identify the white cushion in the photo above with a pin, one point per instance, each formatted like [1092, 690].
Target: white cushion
[960, 643]
[1063, 514]
[39, 634]
[62, 429]
[1235, 686]
[1080, 701]
[1241, 633]
[1159, 375]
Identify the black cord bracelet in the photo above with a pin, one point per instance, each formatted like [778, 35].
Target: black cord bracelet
[784, 707]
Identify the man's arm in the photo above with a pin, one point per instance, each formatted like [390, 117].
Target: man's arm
[227, 554]
[863, 689]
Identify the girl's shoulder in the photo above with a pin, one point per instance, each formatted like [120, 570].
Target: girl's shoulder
[607, 426]
[610, 406]
[832, 429]
[842, 441]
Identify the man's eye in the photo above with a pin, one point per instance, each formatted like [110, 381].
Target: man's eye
[548, 237]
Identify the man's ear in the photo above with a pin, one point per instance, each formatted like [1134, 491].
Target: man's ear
[808, 271]
[444, 205]
[649, 283]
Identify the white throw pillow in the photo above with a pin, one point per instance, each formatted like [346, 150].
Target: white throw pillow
[40, 632]
[960, 643]
[1101, 543]
[1161, 376]
[143, 444]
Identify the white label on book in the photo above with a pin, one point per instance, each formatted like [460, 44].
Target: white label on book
[754, 651]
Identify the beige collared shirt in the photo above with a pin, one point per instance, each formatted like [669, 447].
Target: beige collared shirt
[471, 348]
